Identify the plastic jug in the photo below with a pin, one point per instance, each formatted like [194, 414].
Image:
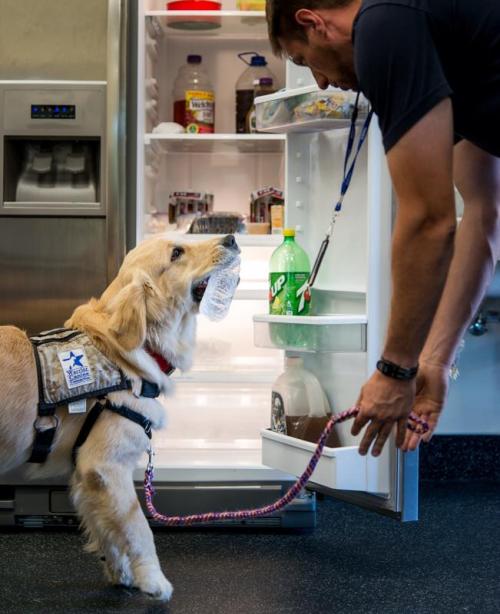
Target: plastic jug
[194, 98]
[257, 69]
[300, 408]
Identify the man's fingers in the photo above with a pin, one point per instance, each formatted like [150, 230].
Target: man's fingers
[370, 434]
[383, 434]
[401, 437]
[359, 424]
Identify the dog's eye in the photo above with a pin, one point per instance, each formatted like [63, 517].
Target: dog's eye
[176, 253]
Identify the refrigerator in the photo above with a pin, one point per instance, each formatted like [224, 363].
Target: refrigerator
[217, 452]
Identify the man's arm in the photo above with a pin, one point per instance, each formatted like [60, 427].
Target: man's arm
[477, 177]
[421, 166]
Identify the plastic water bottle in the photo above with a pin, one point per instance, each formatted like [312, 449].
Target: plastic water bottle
[220, 291]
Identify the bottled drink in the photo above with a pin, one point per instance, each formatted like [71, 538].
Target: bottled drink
[220, 291]
[194, 98]
[257, 69]
[288, 278]
[262, 87]
[299, 405]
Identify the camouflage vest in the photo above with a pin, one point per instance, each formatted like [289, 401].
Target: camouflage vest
[70, 368]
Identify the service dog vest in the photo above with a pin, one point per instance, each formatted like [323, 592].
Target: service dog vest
[71, 368]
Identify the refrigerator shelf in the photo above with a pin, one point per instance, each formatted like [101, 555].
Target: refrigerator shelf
[218, 143]
[338, 468]
[212, 24]
[326, 333]
[305, 110]
[242, 239]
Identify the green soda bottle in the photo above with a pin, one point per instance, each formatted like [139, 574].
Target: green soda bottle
[289, 273]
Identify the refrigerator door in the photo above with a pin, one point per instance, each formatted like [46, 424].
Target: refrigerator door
[342, 340]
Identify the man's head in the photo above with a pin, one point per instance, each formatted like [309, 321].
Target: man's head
[317, 34]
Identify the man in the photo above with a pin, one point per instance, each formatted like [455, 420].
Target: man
[431, 70]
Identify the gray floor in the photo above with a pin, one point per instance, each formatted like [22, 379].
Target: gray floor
[355, 562]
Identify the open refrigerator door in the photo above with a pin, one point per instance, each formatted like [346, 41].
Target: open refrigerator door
[217, 452]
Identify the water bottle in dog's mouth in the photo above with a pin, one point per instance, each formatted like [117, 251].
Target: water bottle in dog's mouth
[220, 291]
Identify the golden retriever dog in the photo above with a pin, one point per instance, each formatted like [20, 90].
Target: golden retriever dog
[149, 308]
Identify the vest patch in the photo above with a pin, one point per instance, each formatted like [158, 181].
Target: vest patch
[76, 368]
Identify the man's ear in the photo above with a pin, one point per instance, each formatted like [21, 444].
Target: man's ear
[308, 19]
[128, 322]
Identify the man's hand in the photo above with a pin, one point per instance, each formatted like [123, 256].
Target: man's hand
[384, 402]
[432, 390]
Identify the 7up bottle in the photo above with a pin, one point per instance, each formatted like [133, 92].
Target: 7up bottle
[288, 278]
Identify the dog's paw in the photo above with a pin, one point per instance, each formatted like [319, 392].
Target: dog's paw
[156, 585]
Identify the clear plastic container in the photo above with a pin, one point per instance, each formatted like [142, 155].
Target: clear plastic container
[245, 87]
[309, 109]
[194, 98]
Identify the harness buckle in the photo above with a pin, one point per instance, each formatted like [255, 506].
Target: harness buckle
[38, 426]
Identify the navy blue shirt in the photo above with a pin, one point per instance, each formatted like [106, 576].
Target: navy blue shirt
[411, 54]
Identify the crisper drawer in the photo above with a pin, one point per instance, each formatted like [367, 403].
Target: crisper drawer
[328, 333]
[338, 468]
[306, 110]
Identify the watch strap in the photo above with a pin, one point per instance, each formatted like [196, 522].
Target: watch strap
[391, 369]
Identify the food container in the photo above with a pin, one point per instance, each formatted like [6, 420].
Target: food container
[251, 5]
[256, 228]
[198, 22]
[309, 109]
[218, 223]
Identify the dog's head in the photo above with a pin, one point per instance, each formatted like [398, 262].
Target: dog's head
[152, 302]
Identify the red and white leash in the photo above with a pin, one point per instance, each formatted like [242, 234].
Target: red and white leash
[415, 424]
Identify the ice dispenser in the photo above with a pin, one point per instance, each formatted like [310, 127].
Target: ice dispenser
[58, 216]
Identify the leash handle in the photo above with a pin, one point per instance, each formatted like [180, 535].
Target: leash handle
[415, 424]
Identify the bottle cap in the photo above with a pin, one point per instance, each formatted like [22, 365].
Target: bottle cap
[289, 232]
[194, 59]
[258, 60]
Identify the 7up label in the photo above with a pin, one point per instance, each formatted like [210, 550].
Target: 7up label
[289, 294]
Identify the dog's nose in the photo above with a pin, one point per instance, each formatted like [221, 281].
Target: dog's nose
[229, 242]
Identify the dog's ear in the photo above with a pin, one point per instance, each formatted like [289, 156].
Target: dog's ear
[129, 314]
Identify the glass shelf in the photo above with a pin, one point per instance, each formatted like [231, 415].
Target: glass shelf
[243, 240]
[212, 24]
[218, 143]
[325, 333]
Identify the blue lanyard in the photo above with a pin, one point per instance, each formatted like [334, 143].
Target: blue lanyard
[346, 182]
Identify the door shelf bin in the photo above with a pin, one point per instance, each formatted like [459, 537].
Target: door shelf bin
[333, 333]
[337, 469]
[306, 110]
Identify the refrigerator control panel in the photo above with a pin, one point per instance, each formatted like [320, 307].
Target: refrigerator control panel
[53, 111]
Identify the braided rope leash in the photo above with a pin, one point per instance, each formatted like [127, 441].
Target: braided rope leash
[415, 424]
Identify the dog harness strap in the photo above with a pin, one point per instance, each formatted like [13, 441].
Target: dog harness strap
[150, 390]
[90, 420]
[93, 416]
[44, 440]
[131, 415]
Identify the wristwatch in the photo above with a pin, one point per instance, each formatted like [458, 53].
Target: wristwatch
[390, 369]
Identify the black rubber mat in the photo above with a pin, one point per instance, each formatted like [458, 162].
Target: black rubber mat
[355, 562]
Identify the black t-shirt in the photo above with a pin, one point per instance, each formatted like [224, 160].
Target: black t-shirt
[411, 54]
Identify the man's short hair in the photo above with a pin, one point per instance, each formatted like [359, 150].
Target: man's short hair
[281, 18]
